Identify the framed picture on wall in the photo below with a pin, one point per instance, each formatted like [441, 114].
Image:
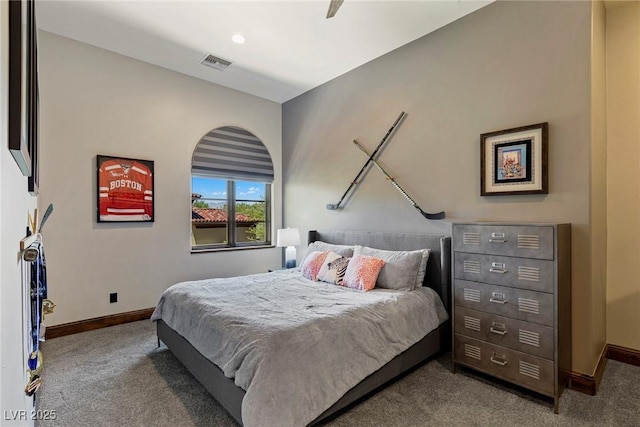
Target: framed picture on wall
[124, 189]
[514, 161]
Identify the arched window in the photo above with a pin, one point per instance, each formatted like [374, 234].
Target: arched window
[231, 176]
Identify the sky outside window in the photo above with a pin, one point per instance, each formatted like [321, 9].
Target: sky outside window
[212, 188]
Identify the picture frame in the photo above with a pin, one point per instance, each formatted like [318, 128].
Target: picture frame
[124, 189]
[514, 161]
[23, 122]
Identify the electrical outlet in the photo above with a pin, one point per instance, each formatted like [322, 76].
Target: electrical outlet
[113, 297]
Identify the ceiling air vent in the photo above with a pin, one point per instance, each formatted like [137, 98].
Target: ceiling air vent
[215, 62]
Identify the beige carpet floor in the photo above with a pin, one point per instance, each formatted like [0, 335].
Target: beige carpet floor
[118, 377]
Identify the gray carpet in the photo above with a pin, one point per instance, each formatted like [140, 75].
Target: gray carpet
[117, 377]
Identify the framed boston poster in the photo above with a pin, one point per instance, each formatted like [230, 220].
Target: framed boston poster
[514, 161]
[125, 189]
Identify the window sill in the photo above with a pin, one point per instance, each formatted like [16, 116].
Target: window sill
[228, 249]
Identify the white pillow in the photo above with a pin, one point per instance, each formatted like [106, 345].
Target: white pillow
[318, 245]
[402, 271]
[423, 268]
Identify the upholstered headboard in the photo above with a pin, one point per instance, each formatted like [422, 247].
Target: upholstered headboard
[438, 275]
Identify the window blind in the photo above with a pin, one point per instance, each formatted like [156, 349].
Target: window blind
[232, 153]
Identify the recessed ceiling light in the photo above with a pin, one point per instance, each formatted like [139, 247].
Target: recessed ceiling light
[238, 38]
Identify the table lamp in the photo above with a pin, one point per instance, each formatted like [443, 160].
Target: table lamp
[289, 238]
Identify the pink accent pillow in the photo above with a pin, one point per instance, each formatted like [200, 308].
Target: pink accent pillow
[362, 272]
[312, 264]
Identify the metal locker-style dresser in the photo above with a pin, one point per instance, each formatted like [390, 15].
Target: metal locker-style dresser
[512, 303]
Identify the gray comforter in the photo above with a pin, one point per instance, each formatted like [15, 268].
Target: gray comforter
[295, 346]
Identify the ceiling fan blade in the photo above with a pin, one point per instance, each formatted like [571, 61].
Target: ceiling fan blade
[333, 8]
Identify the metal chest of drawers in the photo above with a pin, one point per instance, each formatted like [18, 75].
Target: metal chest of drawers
[512, 303]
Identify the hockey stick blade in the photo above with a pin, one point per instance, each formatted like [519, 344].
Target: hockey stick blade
[439, 215]
[46, 216]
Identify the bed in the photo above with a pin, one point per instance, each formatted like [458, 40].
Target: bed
[295, 379]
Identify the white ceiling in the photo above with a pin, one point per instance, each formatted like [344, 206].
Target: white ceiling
[290, 46]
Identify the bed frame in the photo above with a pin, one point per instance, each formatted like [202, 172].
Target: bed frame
[438, 277]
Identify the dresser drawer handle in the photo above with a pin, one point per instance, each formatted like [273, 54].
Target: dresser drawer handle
[498, 331]
[498, 238]
[498, 267]
[498, 298]
[500, 360]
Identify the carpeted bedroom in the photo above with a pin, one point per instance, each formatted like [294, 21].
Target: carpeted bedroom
[119, 376]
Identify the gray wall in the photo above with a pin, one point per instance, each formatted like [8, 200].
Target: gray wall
[97, 102]
[506, 65]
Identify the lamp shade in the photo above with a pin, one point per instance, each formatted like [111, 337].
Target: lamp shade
[288, 237]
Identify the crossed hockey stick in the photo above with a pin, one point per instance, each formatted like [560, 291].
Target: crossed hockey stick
[439, 215]
[334, 206]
